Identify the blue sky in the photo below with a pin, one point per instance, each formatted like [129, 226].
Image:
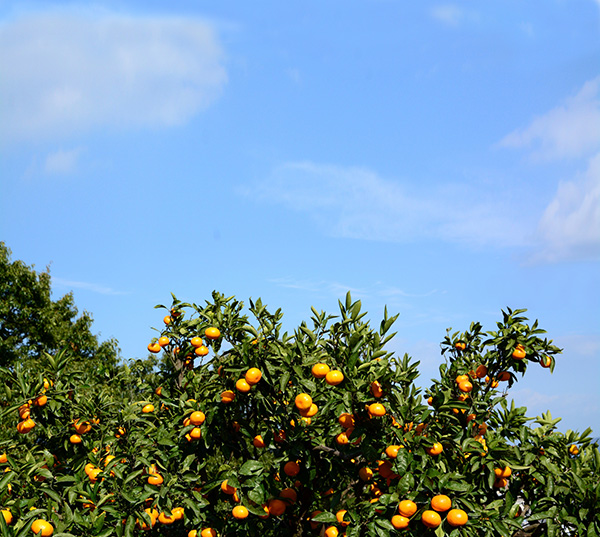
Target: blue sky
[440, 158]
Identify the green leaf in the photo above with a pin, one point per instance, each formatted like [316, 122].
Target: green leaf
[328, 518]
[251, 467]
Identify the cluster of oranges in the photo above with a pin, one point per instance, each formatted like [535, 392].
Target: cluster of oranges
[333, 377]
[431, 518]
[27, 424]
[80, 429]
[502, 475]
[195, 419]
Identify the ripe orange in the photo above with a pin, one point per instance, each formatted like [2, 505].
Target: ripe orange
[436, 449]
[545, 361]
[344, 437]
[377, 409]
[25, 426]
[212, 333]
[346, 420]
[500, 482]
[340, 518]
[441, 503]
[430, 401]
[228, 489]
[3, 458]
[461, 346]
[331, 531]
[146, 409]
[75, 439]
[504, 376]
[314, 525]
[154, 347]
[519, 352]
[291, 469]
[400, 522]
[289, 494]
[258, 441]
[310, 412]
[457, 517]
[392, 451]
[163, 518]
[376, 389]
[366, 474]
[239, 511]
[40, 400]
[163, 341]
[503, 472]
[276, 507]
[573, 449]
[227, 396]
[461, 378]
[253, 376]
[155, 479]
[202, 350]
[42, 527]
[319, 371]
[303, 401]
[195, 433]
[196, 341]
[197, 417]
[465, 386]
[334, 377]
[206, 532]
[242, 386]
[431, 519]
[167, 319]
[8, 518]
[481, 371]
[407, 508]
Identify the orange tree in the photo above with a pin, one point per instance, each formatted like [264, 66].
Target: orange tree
[245, 429]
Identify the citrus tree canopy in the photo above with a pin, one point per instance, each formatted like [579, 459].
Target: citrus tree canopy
[248, 430]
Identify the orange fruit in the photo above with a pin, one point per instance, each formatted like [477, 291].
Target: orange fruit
[334, 377]
[253, 376]
[314, 525]
[206, 532]
[465, 386]
[25, 426]
[340, 518]
[504, 376]
[481, 371]
[40, 400]
[24, 411]
[163, 341]
[303, 401]
[258, 441]
[291, 469]
[343, 438]
[146, 409]
[461, 378]
[573, 450]
[366, 474]
[346, 420]
[545, 361]
[155, 479]
[227, 396]
[519, 352]
[431, 519]
[154, 347]
[8, 518]
[163, 518]
[441, 503]
[310, 412]
[457, 517]
[197, 417]
[228, 489]
[196, 341]
[430, 401]
[503, 472]
[461, 346]
[500, 482]
[331, 531]
[276, 507]
[319, 371]
[392, 451]
[42, 527]
[75, 439]
[377, 409]
[376, 389]
[195, 433]
[242, 386]
[239, 511]
[212, 333]
[167, 319]
[3, 458]
[400, 522]
[289, 494]
[82, 428]
[201, 350]
[407, 508]
[436, 449]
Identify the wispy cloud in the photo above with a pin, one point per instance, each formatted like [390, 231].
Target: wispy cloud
[69, 70]
[62, 162]
[357, 203]
[452, 15]
[567, 131]
[93, 287]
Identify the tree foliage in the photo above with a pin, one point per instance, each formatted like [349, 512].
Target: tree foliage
[167, 439]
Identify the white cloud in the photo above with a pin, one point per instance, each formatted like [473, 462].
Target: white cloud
[67, 71]
[93, 287]
[567, 131]
[62, 162]
[448, 14]
[570, 225]
[356, 203]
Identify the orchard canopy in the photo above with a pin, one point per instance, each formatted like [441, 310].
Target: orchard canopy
[232, 427]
